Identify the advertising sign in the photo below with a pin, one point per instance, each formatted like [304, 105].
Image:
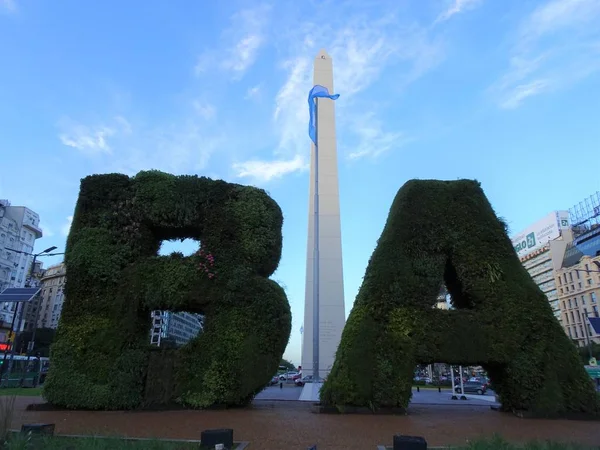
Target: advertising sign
[540, 232]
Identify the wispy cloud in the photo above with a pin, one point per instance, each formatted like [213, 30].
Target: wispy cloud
[253, 92]
[556, 45]
[66, 228]
[181, 146]
[90, 140]
[456, 7]
[362, 47]
[47, 232]
[245, 37]
[9, 6]
[205, 110]
[373, 140]
[264, 171]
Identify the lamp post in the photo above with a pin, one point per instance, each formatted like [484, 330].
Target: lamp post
[587, 334]
[46, 252]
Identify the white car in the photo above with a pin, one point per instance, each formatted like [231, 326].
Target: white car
[287, 376]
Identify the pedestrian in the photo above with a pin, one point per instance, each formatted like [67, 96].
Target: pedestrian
[280, 384]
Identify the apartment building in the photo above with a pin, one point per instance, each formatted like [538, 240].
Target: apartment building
[51, 297]
[579, 295]
[578, 280]
[19, 229]
[541, 248]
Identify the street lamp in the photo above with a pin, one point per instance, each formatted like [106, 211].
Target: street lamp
[46, 252]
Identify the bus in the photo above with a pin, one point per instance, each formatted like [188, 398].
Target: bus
[19, 370]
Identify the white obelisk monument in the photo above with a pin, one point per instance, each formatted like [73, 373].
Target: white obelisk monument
[331, 309]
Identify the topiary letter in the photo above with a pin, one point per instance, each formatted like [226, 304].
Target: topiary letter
[446, 231]
[115, 278]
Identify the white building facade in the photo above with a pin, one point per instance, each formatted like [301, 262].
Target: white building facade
[19, 229]
[541, 249]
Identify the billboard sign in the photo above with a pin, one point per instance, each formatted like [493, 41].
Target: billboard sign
[540, 233]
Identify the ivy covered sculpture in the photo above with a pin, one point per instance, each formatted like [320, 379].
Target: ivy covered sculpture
[102, 359]
[447, 232]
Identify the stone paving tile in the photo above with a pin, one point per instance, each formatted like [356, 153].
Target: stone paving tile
[280, 425]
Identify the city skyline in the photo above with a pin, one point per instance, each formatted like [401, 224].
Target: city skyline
[503, 93]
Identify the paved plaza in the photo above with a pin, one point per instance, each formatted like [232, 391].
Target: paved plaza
[282, 425]
[424, 397]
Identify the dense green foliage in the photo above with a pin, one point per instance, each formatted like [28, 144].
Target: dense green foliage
[101, 352]
[447, 232]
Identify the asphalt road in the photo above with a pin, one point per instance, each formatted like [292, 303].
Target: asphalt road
[424, 397]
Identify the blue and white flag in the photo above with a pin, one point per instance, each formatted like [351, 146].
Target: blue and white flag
[595, 323]
[317, 91]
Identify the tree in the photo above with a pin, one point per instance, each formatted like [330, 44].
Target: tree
[43, 339]
[584, 353]
[288, 365]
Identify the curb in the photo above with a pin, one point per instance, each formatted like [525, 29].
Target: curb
[241, 445]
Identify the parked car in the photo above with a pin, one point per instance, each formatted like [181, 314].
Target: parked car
[275, 380]
[473, 387]
[287, 376]
[307, 379]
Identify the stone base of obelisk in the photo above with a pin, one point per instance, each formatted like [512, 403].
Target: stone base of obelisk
[311, 392]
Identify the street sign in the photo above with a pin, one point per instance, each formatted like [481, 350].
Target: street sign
[593, 362]
[593, 371]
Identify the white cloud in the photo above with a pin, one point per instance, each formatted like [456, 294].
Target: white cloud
[47, 232]
[205, 110]
[269, 170]
[556, 45]
[456, 7]
[373, 139]
[182, 146]
[253, 92]
[245, 37]
[88, 139]
[8, 6]
[92, 140]
[66, 228]
[522, 91]
[361, 48]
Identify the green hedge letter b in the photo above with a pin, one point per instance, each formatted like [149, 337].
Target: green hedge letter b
[102, 358]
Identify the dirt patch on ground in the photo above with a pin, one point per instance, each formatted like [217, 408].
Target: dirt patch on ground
[279, 425]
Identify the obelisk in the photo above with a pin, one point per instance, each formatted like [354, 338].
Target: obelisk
[332, 314]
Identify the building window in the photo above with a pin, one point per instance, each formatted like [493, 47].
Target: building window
[570, 305]
[590, 282]
[595, 308]
[578, 316]
[575, 331]
[575, 302]
[571, 277]
[579, 285]
[564, 305]
[583, 300]
[577, 272]
[593, 297]
[570, 335]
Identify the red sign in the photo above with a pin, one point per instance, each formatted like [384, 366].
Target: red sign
[4, 347]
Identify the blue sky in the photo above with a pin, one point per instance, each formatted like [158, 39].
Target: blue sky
[506, 92]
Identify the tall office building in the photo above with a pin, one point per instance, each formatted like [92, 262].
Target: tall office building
[332, 314]
[541, 248]
[19, 229]
[178, 328]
